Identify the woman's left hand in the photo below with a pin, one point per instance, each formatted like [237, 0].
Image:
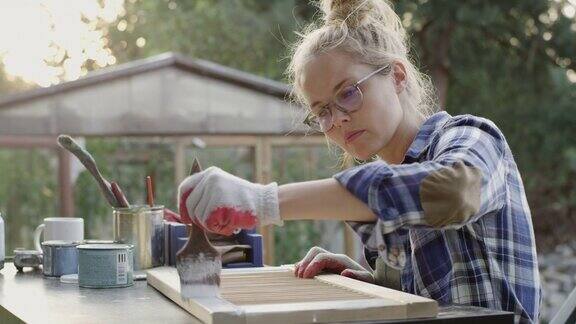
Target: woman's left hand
[223, 203]
[318, 260]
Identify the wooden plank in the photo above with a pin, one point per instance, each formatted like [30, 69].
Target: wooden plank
[417, 306]
[230, 140]
[273, 294]
[299, 140]
[208, 310]
[325, 312]
[180, 170]
[274, 140]
[350, 237]
[263, 172]
[27, 142]
[349, 241]
[65, 183]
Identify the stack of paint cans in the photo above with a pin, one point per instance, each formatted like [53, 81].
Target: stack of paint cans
[60, 258]
[98, 264]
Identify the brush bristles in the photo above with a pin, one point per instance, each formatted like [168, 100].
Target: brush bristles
[189, 291]
[199, 277]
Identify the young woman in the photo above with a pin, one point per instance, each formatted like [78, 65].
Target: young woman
[443, 203]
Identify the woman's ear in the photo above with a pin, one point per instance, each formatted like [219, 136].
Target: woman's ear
[399, 76]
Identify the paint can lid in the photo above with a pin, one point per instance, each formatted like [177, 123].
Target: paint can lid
[23, 252]
[114, 246]
[69, 278]
[98, 242]
[60, 243]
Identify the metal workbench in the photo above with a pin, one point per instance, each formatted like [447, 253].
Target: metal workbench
[31, 298]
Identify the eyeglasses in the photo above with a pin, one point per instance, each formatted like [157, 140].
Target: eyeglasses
[347, 100]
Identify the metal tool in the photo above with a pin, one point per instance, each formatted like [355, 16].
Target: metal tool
[27, 258]
[198, 263]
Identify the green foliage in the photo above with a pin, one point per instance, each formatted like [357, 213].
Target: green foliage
[247, 35]
[9, 85]
[127, 161]
[504, 60]
[28, 193]
[508, 61]
[293, 164]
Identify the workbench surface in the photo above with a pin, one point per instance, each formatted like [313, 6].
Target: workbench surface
[31, 298]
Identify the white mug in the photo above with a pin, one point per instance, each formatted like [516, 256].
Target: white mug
[59, 228]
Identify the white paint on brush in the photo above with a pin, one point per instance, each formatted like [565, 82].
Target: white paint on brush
[199, 291]
[199, 277]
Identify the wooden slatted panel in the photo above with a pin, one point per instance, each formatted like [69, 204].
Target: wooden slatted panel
[281, 287]
[273, 295]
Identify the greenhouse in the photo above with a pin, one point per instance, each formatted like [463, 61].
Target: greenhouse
[151, 117]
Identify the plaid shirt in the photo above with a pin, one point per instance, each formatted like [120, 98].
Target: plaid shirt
[489, 260]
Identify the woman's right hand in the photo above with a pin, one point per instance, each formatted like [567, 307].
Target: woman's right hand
[318, 260]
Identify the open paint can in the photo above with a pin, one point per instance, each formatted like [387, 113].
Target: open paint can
[60, 258]
[143, 227]
[105, 265]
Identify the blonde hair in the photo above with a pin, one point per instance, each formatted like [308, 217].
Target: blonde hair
[372, 33]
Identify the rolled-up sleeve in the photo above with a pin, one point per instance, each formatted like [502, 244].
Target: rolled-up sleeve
[462, 178]
[394, 246]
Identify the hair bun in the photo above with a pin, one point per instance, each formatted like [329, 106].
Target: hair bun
[351, 12]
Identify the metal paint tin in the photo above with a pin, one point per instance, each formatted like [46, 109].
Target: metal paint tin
[60, 258]
[143, 227]
[105, 265]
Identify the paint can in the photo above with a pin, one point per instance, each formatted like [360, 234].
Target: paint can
[143, 227]
[105, 265]
[60, 258]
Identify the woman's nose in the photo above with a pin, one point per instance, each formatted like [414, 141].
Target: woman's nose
[339, 117]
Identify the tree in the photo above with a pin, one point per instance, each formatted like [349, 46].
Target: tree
[246, 35]
[505, 60]
[511, 61]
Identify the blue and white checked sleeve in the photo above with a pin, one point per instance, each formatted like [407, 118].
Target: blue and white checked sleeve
[393, 191]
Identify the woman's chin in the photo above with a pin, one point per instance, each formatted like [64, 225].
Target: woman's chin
[362, 156]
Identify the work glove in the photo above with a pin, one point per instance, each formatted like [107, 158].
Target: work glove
[171, 216]
[318, 260]
[223, 203]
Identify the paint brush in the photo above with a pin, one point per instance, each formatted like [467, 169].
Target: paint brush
[88, 161]
[120, 197]
[149, 191]
[199, 264]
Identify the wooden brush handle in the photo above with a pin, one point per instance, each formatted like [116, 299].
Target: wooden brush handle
[88, 161]
[197, 239]
[149, 192]
[120, 197]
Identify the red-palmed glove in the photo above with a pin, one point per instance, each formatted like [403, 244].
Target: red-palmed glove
[171, 216]
[222, 203]
[319, 260]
